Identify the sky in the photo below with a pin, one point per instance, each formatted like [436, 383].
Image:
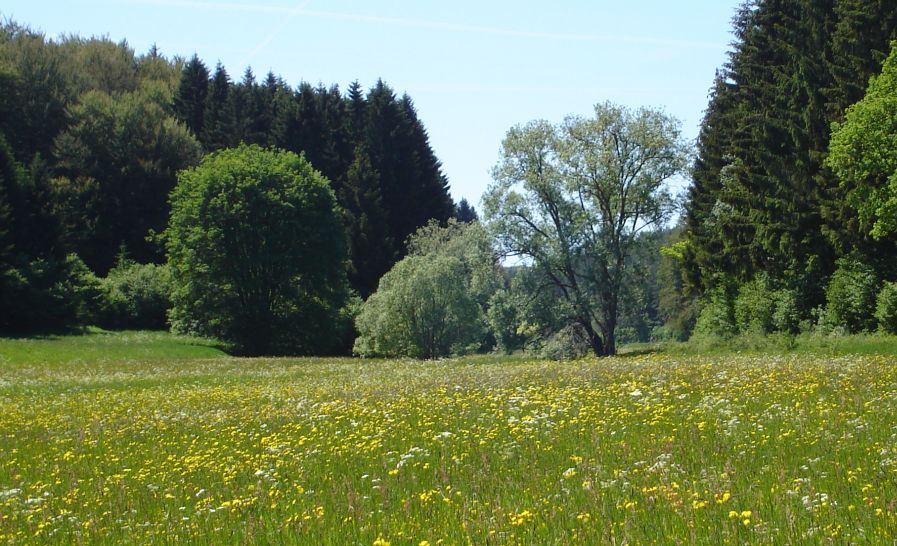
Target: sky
[474, 68]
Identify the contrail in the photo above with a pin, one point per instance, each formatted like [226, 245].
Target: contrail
[427, 24]
[300, 7]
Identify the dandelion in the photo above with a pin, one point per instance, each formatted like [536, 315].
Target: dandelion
[522, 518]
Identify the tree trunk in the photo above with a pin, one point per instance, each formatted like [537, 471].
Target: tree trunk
[610, 325]
[595, 340]
[610, 341]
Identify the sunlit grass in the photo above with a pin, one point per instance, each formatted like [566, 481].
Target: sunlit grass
[645, 449]
[100, 346]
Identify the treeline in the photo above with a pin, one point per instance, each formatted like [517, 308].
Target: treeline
[92, 137]
[772, 231]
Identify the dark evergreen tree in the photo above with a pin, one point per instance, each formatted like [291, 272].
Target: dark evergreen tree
[414, 190]
[466, 213]
[218, 117]
[860, 42]
[762, 200]
[371, 249]
[247, 104]
[190, 100]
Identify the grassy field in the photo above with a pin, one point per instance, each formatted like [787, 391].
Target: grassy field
[119, 447]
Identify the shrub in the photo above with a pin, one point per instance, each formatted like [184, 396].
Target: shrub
[886, 308]
[717, 318]
[760, 309]
[754, 307]
[568, 343]
[850, 297]
[136, 296]
[423, 308]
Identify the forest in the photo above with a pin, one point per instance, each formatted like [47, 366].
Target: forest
[124, 204]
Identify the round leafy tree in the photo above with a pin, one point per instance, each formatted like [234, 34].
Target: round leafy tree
[257, 253]
[422, 309]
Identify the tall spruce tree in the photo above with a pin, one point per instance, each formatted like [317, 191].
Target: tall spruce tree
[372, 251]
[190, 100]
[762, 200]
[218, 117]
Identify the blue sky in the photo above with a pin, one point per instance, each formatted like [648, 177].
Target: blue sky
[473, 68]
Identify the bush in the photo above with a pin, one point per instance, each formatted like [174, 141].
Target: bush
[47, 295]
[754, 307]
[423, 308]
[717, 318]
[136, 296]
[850, 298]
[761, 310]
[886, 308]
[258, 253]
[504, 322]
[568, 343]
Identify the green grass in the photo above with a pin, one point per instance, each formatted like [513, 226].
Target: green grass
[649, 448]
[98, 346]
[775, 344]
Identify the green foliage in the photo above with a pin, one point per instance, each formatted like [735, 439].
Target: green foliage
[257, 253]
[423, 308]
[678, 304]
[717, 318]
[100, 134]
[465, 212]
[573, 198]
[864, 153]
[503, 316]
[136, 296]
[850, 296]
[886, 308]
[762, 199]
[371, 247]
[469, 243]
[761, 309]
[412, 313]
[568, 343]
[190, 100]
[118, 160]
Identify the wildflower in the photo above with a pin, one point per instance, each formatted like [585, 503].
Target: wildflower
[522, 518]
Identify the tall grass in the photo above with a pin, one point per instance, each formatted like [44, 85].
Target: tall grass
[650, 448]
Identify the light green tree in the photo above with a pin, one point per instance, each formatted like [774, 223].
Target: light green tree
[433, 302]
[423, 308]
[572, 199]
[863, 153]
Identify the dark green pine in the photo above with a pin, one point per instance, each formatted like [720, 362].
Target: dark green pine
[190, 100]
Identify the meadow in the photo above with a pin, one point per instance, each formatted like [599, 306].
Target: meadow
[657, 448]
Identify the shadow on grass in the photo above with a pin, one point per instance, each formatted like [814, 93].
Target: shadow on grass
[640, 349]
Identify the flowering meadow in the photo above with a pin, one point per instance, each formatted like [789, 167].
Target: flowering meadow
[646, 449]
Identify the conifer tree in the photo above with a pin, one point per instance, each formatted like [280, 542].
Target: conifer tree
[466, 213]
[371, 249]
[190, 100]
[218, 118]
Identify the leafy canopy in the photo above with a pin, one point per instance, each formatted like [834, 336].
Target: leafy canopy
[864, 152]
[433, 302]
[574, 197]
[257, 253]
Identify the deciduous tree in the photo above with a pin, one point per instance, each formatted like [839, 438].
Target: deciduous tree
[572, 198]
